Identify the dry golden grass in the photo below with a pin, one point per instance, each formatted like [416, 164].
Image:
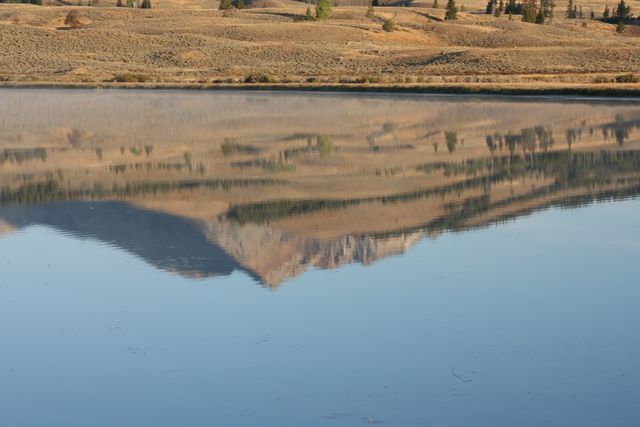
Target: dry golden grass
[182, 42]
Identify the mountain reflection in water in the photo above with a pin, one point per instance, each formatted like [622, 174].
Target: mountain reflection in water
[203, 184]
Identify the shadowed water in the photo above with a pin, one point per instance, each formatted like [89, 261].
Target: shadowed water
[437, 260]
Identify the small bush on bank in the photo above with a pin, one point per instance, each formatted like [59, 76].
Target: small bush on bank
[131, 78]
[323, 9]
[258, 78]
[370, 12]
[627, 78]
[601, 80]
[309, 15]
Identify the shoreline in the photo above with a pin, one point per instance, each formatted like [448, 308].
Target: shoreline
[591, 91]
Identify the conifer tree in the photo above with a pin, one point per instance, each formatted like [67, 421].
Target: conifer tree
[569, 14]
[547, 7]
[529, 11]
[623, 11]
[490, 7]
[451, 13]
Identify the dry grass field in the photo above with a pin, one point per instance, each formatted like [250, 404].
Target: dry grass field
[191, 42]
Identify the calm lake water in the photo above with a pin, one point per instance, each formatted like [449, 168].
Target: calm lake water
[249, 259]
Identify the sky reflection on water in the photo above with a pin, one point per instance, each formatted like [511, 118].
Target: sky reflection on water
[528, 323]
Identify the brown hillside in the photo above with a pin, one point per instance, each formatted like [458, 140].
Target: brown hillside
[181, 42]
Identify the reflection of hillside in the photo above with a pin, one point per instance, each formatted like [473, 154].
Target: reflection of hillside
[276, 240]
[166, 241]
[275, 185]
[566, 170]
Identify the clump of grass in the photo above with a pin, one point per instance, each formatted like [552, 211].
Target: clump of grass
[72, 20]
[131, 78]
[389, 25]
[602, 79]
[188, 159]
[230, 13]
[324, 144]
[258, 78]
[230, 147]
[367, 79]
[627, 78]
[273, 166]
[370, 12]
